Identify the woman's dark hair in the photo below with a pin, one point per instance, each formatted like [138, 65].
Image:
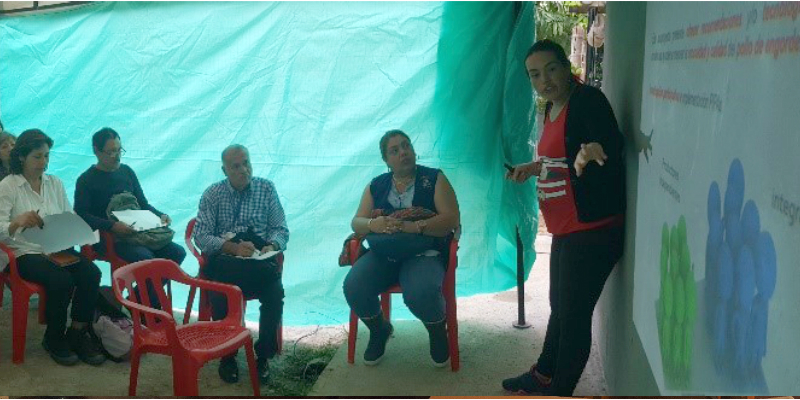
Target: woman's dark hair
[102, 136]
[5, 136]
[388, 135]
[28, 141]
[551, 46]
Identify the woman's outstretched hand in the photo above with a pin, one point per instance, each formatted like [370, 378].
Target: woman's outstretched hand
[589, 152]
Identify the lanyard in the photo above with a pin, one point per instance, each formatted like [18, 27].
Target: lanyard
[239, 200]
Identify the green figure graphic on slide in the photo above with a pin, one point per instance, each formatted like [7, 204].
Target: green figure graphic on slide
[677, 306]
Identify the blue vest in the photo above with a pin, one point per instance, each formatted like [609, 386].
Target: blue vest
[424, 188]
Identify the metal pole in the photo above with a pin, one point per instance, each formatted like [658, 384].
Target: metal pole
[520, 322]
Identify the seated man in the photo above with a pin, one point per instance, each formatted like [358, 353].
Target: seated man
[238, 216]
[101, 184]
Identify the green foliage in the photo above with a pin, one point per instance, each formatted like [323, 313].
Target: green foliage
[296, 372]
[555, 22]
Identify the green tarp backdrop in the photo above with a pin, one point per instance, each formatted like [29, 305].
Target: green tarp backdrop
[309, 88]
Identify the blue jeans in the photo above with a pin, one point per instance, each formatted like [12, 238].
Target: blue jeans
[420, 277]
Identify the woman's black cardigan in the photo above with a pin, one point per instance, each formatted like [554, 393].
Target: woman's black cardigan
[600, 190]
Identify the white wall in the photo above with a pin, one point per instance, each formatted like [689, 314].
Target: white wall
[626, 368]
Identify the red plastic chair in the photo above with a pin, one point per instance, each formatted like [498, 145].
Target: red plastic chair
[448, 290]
[21, 292]
[190, 346]
[111, 256]
[204, 312]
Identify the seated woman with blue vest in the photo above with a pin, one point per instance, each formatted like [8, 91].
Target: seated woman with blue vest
[411, 253]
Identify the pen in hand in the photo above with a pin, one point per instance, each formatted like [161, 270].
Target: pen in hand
[25, 227]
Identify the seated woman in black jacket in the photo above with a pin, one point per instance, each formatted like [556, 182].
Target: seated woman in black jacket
[580, 175]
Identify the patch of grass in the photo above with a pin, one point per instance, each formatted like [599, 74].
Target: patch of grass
[295, 373]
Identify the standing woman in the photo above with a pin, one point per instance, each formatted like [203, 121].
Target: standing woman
[26, 197]
[580, 173]
[7, 141]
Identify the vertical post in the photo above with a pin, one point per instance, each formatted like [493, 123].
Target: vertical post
[591, 51]
[520, 322]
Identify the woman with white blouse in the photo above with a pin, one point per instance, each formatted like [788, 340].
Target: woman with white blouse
[26, 196]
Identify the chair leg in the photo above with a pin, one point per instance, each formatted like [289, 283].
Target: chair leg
[184, 376]
[189, 305]
[135, 356]
[19, 325]
[2, 292]
[351, 338]
[251, 366]
[452, 334]
[279, 337]
[386, 305]
[42, 305]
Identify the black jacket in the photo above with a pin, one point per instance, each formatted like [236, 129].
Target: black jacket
[600, 191]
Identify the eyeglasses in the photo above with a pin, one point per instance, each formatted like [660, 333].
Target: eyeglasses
[121, 152]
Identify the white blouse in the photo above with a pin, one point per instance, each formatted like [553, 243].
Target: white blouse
[17, 197]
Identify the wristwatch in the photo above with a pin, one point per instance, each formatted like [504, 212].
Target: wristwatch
[421, 225]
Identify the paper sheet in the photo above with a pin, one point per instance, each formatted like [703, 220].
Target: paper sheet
[257, 255]
[140, 220]
[61, 232]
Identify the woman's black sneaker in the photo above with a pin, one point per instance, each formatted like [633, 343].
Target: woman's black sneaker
[82, 344]
[59, 351]
[376, 347]
[439, 346]
[526, 384]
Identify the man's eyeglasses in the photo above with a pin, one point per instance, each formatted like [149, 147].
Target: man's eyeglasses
[121, 152]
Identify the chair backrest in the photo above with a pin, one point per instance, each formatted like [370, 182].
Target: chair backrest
[190, 242]
[13, 274]
[107, 238]
[136, 275]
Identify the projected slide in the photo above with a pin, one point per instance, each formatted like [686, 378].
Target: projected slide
[717, 281]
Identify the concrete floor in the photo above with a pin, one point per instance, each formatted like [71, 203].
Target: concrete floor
[491, 350]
